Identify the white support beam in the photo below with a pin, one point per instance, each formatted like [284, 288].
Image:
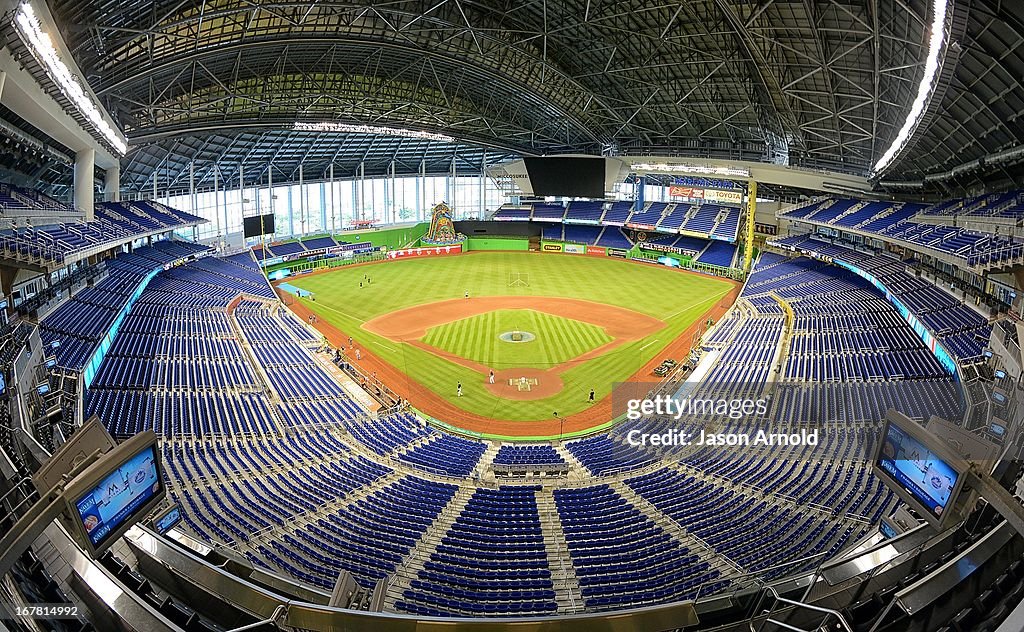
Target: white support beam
[112, 184]
[85, 168]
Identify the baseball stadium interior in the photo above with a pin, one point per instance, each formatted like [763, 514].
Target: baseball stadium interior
[538, 315]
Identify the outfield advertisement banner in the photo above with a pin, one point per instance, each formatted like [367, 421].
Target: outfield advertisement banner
[710, 195]
[596, 251]
[575, 249]
[667, 248]
[431, 251]
[549, 247]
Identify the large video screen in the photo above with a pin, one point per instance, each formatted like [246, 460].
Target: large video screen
[566, 177]
[119, 496]
[258, 225]
[917, 470]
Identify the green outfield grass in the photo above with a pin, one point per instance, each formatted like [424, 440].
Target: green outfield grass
[672, 296]
[556, 339]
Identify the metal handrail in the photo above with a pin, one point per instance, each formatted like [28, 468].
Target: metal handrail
[827, 612]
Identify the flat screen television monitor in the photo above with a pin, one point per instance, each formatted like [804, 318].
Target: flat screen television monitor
[43, 388]
[919, 468]
[168, 519]
[114, 493]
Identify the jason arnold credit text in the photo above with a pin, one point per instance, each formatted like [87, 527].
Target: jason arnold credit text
[677, 437]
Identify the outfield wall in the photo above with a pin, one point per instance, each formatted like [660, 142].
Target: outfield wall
[497, 243]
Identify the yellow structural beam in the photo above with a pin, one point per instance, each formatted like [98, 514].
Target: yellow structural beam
[748, 247]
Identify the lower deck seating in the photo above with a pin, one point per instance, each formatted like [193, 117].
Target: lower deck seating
[492, 561]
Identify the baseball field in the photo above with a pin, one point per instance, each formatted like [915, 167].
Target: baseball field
[526, 335]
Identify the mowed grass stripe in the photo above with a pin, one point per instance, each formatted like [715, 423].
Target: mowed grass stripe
[557, 339]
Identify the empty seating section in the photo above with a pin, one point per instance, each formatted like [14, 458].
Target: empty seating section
[492, 561]
[602, 455]
[178, 366]
[1009, 204]
[528, 455]
[910, 223]
[728, 223]
[387, 434]
[674, 217]
[368, 538]
[79, 324]
[580, 234]
[235, 489]
[613, 237]
[128, 412]
[286, 248]
[589, 212]
[548, 212]
[623, 558]
[513, 214]
[650, 215]
[114, 223]
[14, 198]
[293, 374]
[701, 219]
[752, 532]
[446, 454]
[318, 243]
[552, 233]
[961, 330]
[617, 213]
[718, 253]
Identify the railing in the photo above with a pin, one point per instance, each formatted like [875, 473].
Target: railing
[828, 615]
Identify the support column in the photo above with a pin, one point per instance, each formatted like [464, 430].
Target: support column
[3, 78]
[748, 248]
[362, 191]
[216, 199]
[303, 205]
[482, 200]
[421, 191]
[394, 196]
[241, 192]
[112, 184]
[192, 186]
[270, 199]
[640, 193]
[334, 201]
[85, 168]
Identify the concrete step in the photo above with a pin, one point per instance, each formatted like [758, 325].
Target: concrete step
[568, 595]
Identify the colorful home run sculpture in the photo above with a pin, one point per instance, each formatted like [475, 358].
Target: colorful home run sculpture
[442, 228]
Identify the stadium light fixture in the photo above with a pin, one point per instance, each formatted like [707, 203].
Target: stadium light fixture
[917, 108]
[330, 126]
[704, 170]
[39, 42]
